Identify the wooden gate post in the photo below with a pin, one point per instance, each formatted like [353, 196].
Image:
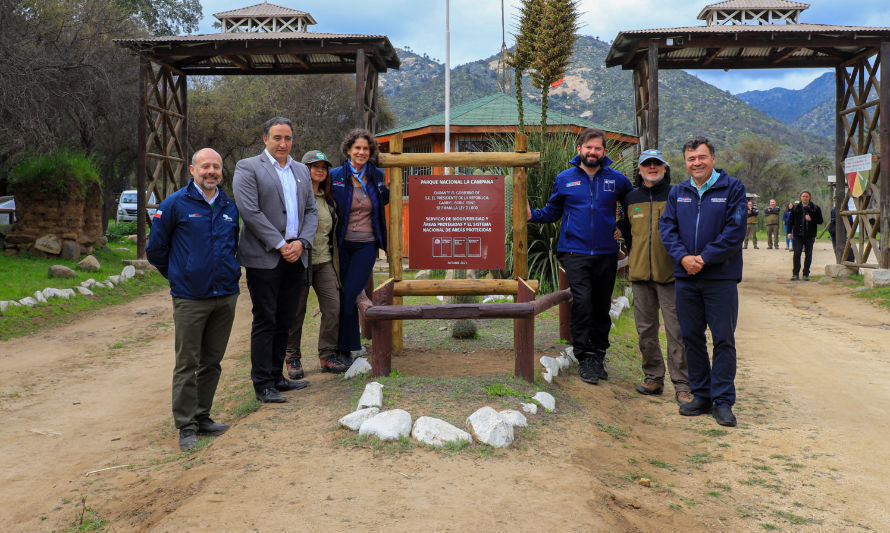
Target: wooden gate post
[395, 233]
[565, 309]
[524, 337]
[520, 197]
[381, 332]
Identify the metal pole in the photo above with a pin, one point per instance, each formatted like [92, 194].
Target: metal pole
[447, 82]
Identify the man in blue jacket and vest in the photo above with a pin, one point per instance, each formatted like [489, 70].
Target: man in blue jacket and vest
[702, 228]
[585, 196]
[193, 242]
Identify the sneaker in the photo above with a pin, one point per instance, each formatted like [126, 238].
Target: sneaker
[188, 439]
[650, 387]
[588, 371]
[294, 369]
[333, 364]
[794, 277]
[600, 355]
[806, 277]
[683, 397]
[755, 247]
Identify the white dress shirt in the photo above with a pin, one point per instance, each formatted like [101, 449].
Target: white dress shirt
[289, 187]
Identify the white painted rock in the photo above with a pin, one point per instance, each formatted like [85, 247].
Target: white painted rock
[618, 306]
[28, 301]
[127, 273]
[115, 279]
[38, 296]
[546, 400]
[67, 293]
[355, 419]
[437, 432]
[50, 292]
[84, 291]
[88, 283]
[570, 353]
[563, 362]
[548, 377]
[359, 366]
[372, 396]
[514, 418]
[388, 425]
[488, 427]
[529, 407]
[875, 278]
[422, 274]
[550, 364]
[107, 284]
[4, 305]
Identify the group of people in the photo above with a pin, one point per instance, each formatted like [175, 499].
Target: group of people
[685, 245]
[801, 219]
[305, 224]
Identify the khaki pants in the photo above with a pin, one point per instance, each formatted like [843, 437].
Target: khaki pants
[201, 334]
[649, 298]
[751, 233]
[772, 235]
[327, 289]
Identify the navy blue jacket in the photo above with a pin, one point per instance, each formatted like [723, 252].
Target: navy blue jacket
[712, 226]
[377, 191]
[587, 207]
[193, 244]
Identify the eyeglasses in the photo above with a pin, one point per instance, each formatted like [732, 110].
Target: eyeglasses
[650, 162]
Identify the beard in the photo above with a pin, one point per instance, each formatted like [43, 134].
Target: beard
[591, 161]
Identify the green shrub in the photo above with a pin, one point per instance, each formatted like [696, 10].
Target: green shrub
[117, 230]
[62, 174]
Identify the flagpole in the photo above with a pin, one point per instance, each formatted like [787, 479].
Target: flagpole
[447, 82]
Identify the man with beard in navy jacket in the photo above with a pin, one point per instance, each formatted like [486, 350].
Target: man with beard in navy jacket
[702, 228]
[585, 197]
[193, 243]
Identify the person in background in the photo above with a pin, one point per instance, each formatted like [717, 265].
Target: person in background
[773, 215]
[193, 243]
[324, 277]
[751, 231]
[651, 272]
[805, 217]
[786, 216]
[361, 194]
[584, 199]
[702, 229]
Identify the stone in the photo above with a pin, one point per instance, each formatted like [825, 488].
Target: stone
[4, 305]
[546, 400]
[19, 238]
[839, 271]
[570, 353]
[422, 274]
[89, 263]
[514, 418]
[122, 249]
[49, 244]
[529, 407]
[66, 293]
[388, 425]
[28, 301]
[39, 297]
[875, 278]
[644, 482]
[618, 306]
[359, 366]
[435, 432]
[127, 273]
[548, 377]
[139, 264]
[563, 362]
[132, 238]
[487, 426]
[84, 291]
[102, 242]
[550, 364]
[88, 283]
[50, 292]
[372, 396]
[355, 419]
[70, 250]
[61, 271]
[115, 279]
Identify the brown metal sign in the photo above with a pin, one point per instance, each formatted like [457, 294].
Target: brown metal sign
[456, 222]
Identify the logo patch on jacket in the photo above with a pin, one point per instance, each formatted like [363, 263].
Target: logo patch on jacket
[194, 215]
[608, 185]
[684, 199]
[638, 213]
[573, 184]
[227, 217]
[718, 200]
[158, 214]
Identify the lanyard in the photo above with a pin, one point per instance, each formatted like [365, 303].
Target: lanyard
[358, 175]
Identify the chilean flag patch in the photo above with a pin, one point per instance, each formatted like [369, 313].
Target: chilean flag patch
[158, 214]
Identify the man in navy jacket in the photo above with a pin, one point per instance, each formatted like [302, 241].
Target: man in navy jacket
[193, 242]
[585, 197]
[702, 229]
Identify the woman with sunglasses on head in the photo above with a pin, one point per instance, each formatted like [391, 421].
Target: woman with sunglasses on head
[324, 277]
[361, 194]
[651, 272]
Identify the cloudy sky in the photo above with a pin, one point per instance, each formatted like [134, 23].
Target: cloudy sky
[476, 26]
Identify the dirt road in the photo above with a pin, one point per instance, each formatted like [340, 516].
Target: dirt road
[809, 452]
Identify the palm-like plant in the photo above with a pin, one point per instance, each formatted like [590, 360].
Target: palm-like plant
[554, 43]
[524, 52]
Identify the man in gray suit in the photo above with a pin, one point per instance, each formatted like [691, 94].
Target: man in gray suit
[274, 197]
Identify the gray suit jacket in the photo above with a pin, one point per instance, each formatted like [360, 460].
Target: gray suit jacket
[260, 200]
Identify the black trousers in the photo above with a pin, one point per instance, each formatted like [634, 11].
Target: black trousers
[804, 244]
[591, 280]
[274, 293]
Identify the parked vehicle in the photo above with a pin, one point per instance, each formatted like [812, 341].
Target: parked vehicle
[126, 206]
[7, 209]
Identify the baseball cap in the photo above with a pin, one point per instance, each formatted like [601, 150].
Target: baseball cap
[652, 154]
[314, 156]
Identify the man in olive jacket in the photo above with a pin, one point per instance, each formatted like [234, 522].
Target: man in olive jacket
[651, 272]
[773, 218]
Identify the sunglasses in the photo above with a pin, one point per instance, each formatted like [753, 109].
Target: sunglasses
[650, 162]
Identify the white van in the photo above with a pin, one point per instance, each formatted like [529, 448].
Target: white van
[126, 206]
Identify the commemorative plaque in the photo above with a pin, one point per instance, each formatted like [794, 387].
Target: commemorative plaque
[456, 222]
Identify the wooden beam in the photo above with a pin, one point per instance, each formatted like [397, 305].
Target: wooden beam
[524, 338]
[520, 201]
[360, 81]
[653, 94]
[884, 200]
[141, 141]
[840, 188]
[395, 234]
[711, 55]
[299, 59]
[381, 332]
[459, 287]
[782, 54]
[565, 309]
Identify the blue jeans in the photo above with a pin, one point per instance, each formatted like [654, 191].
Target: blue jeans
[713, 304]
[356, 268]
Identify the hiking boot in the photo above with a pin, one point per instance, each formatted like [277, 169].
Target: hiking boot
[294, 368]
[588, 370]
[650, 387]
[332, 364]
[600, 355]
[698, 406]
[723, 415]
[755, 247]
[188, 439]
[683, 397]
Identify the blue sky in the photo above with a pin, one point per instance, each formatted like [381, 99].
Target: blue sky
[476, 26]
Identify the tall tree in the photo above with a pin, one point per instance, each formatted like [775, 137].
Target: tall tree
[523, 56]
[554, 43]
